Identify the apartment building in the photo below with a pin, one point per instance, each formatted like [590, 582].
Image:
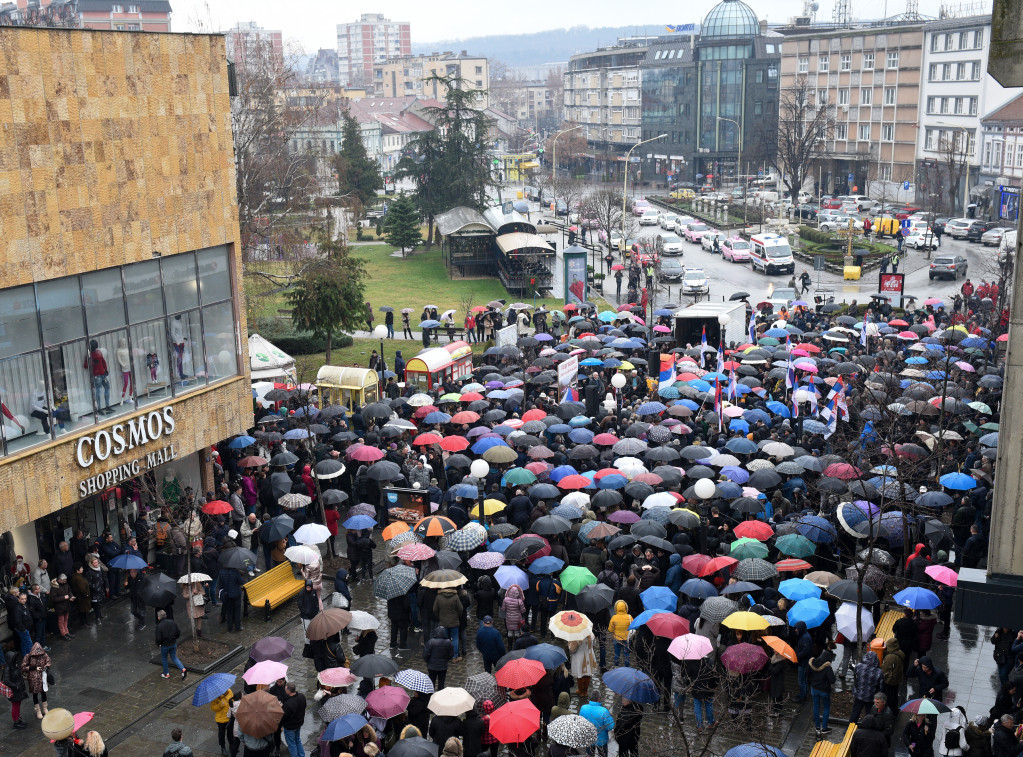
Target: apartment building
[411, 75]
[137, 16]
[370, 40]
[534, 104]
[1000, 155]
[250, 45]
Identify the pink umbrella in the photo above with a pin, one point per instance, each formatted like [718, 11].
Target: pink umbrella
[81, 718]
[367, 454]
[808, 367]
[939, 573]
[624, 517]
[909, 336]
[265, 672]
[799, 353]
[662, 329]
[933, 301]
[387, 701]
[337, 677]
[743, 658]
[414, 552]
[690, 646]
[964, 366]
[732, 411]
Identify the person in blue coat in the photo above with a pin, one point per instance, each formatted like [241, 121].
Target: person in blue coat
[489, 643]
[675, 576]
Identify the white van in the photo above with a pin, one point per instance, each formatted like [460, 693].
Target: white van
[771, 252]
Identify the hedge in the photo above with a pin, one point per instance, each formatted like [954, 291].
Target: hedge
[281, 333]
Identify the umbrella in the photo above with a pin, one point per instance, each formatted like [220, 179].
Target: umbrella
[327, 623]
[659, 598]
[547, 654]
[371, 665]
[925, 707]
[363, 621]
[337, 677]
[754, 749]
[452, 701]
[716, 609]
[387, 701]
[435, 525]
[265, 673]
[595, 598]
[235, 559]
[795, 545]
[742, 549]
[483, 686]
[212, 687]
[341, 705]
[486, 560]
[276, 529]
[942, 574]
[312, 533]
[822, 578]
[698, 589]
[394, 582]
[129, 562]
[293, 501]
[792, 565]
[303, 555]
[667, 625]
[414, 680]
[754, 569]
[414, 552]
[415, 746]
[780, 647]
[690, 646]
[518, 674]
[443, 579]
[273, 648]
[342, 727]
[570, 626]
[744, 658]
[575, 577]
[845, 620]
[159, 590]
[797, 589]
[848, 591]
[813, 612]
[632, 684]
[917, 598]
[572, 731]
[514, 722]
[259, 714]
[745, 621]
[219, 507]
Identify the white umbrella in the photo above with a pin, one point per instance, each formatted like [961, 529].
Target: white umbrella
[453, 701]
[446, 313]
[845, 619]
[420, 400]
[194, 578]
[659, 499]
[402, 424]
[302, 554]
[312, 533]
[363, 621]
[577, 499]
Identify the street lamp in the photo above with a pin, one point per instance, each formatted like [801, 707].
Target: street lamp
[554, 166]
[618, 382]
[380, 332]
[625, 183]
[480, 469]
[738, 172]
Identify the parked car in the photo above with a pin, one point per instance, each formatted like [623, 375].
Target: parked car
[694, 281]
[978, 229]
[649, 218]
[836, 222]
[672, 269]
[708, 239]
[957, 227]
[947, 267]
[615, 241]
[805, 211]
[669, 244]
[862, 201]
[920, 239]
[667, 221]
[735, 249]
[992, 237]
[694, 231]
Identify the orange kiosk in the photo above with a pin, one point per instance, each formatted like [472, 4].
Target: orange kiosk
[435, 365]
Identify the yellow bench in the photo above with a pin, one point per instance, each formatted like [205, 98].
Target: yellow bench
[273, 588]
[884, 628]
[830, 749]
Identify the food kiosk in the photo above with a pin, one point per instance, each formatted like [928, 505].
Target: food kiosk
[341, 385]
[435, 365]
[407, 505]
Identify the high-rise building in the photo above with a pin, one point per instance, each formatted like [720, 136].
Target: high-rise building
[248, 44]
[370, 40]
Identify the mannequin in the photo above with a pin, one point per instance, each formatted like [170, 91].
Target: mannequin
[40, 407]
[171, 489]
[178, 340]
[96, 363]
[124, 363]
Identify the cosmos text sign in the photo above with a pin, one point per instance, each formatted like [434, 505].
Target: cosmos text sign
[121, 438]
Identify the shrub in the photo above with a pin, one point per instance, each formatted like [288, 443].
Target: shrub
[283, 334]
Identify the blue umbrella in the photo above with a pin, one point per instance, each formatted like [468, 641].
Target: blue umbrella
[607, 316]
[241, 442]
[558, 428]
[741, 446]
[733, 473]
[429, 324]
[569, 512]
[700, 385]
[591, 361]
[612, 481]
[359, 522]
[958, 481]
[344, 726]
[668, 393]
[697, 588]
[738, 424]
[437, 417]
[612, 362]
[917, 598]
[499, 545]
[211, 687]
[798, 589]
[644, 616]
[578, 422]
[507, 575]
[989, 440]
[297, 433]
[128, 562]
[779, 408]
[816, 529]
[561, 471]
[484, 444]
[811, 426]
[659, 598]
[631, 684]
[755, 414]
[466, 491]
[550, 655]
[663, 312]
[813, 612]
[545, 565]
[581, 435]
[754, 750]
[728, 490]
[777, 333]
[691, 404]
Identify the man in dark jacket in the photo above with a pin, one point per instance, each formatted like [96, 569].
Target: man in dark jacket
[868, 681]
[804, 651]
[630, 595]
[490, 643]
[418, 712]
[308, 603]
[438, 652]
[905, 631]
[294, 716]
[20, 620]
[399, 613]
[231, 591]
[36, 604]
[932, 682]
[518, 511]
[1003, 738]
[167, 633]
[974, 549]
[869, 740]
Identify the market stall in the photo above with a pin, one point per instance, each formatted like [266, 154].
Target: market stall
[270, 363]
[433, 366]
[342, 385]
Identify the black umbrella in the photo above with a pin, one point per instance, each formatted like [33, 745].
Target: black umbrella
[333, 497]
[658, 543]
[280, 484]
[568, 410]
[372, 665]
[343, 436]
[458, 461]
[647, 528]
[544, 491]
[622, 540]
[383, 470]
[638, 490]
[415, 746]
[523, 547]
[277, 395]
[764, 480]
[846, 590]
[662, 455]
[605, 499]
[447, 560]
[595, 598]
[548, 525]
[739, 296]
[159, 590]
[284, 459]
[377, 410]
[748, 505]
[237, 559]
[277, 528]
[583, 452]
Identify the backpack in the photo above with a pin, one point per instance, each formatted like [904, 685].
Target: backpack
[163, 529]
[952, 738]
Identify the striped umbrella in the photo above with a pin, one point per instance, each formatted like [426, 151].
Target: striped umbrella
[341, 705]
[435, 525]
[571, 626]
[791, 565]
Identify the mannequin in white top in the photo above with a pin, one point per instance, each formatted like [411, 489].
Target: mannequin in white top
[124, 364]
[178, 340]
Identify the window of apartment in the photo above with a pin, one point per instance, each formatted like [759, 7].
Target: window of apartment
[934, 43]
[117, 9]
[975, 71]
[133, 9]
[996, 154]
[845, 62]
[864, 132]
[868, 61]
[946, 71]
[1009, 153]
[479, 69]
[987, 153]
[932, 103]
[758, 108]
[932, 72]
[931, 142]
[803, 65]
[964, 40]
[948, 42]
[888, 133]
[973, 106]
[960, 107]
[866, 96]
[841, 131]
[889, 95]
[1019, 157]
[759, 77]
[978, 38]
[944, 105]
[822, 96]
[843, 97]
[823, 63]
[960, 71]
[886, 173]
[892, 59]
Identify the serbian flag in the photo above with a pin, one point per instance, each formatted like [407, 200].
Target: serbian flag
[667, 374]
[813, 399]
[571, 395]
[721, 359]
[840, 400]
[790, 375]
[703, 345]
[788, 342]
[733, 391]
[863, 333]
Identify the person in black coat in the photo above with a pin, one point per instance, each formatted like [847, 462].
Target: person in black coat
[444, 727]
[13, 677]
[308, 604]
[418, 711]
[485, 597]
[400, 614]
[869, 740]
[627, 728]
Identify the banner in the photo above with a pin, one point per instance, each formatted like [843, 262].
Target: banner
[506, 337]
[568, 370]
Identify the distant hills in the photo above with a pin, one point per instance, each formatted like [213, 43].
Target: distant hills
[552, 46]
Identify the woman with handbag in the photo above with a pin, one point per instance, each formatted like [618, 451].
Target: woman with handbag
[35, 667]
[15, 681]
[195, 597]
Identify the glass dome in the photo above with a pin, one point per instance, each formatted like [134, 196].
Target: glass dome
[730, 18]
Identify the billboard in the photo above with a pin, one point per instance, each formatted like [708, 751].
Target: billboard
[575, 277]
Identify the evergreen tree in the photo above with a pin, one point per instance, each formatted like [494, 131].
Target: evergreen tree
[329, 296]
[403, 224]
[357, 174]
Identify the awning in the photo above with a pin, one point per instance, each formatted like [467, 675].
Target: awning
[267, 361]
[518, 240]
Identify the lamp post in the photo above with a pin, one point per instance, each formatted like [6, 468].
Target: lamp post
[618, 382]
[380, 332]
[723, 320]
[738, 170]
[480, 469]
[554, 167]
[625, 182]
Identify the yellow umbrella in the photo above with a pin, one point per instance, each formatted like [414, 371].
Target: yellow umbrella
[959, 327]
[626, 366]
[745, 621]
[490, 507]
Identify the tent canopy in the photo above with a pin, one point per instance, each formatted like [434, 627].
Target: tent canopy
[267, 361]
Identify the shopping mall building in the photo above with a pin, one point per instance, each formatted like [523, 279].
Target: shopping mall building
[122, 357]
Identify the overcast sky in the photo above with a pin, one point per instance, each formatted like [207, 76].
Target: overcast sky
[312, 23]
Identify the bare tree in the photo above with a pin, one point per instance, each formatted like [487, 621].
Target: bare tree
[605, 207]
[805, 127]
[954, 161]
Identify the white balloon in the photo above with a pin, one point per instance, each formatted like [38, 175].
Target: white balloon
[704, 488]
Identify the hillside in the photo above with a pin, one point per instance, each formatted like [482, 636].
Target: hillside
[552, 46]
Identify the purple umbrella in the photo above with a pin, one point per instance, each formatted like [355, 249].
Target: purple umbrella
[624, 516]
[271, 648]
[486, 560]
[744, 658]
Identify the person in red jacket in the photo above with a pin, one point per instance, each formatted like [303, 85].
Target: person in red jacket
[332, 516]
[967, 288]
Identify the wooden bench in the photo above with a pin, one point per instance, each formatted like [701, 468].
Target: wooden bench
[830, 749]
[884, 628]
[273, 588]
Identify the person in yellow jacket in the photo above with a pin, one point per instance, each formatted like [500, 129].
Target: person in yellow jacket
[221, 707]
[619, 629]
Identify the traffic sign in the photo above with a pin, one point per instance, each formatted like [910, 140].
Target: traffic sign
[818, 262]
[849, 178]
[905, 184]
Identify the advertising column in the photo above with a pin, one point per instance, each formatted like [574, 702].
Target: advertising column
[575, 276]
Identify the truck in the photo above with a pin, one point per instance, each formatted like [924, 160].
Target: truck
[691, 321]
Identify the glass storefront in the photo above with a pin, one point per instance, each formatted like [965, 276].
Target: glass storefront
[84, 349]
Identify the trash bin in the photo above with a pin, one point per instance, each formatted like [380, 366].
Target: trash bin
[877, 647]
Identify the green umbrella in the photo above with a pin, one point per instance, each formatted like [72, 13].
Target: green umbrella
[746, 548]
[768, 341]
[795, 545]
[971, 427]
[989, 426]
[575, 578]
[980, 407]
[519, 477]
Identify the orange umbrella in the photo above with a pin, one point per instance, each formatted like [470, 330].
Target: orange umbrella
[780, 647]
[435, 525]
[465, 416]
[792, 564]
[394, 529]
[454, 443]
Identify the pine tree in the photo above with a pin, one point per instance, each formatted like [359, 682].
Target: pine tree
[403, 224]
[357, 174]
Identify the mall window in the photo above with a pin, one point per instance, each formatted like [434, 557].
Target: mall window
[82, 349]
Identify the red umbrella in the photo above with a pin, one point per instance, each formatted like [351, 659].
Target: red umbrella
[574, 482]
[425, 410]
[695, 563]
[465, 416]
[387, 701]
[367, 454]
[454, 443]
[605, 440]
[472, 397]
[792, 565]
[754, 529]
[744, 658]
[520, 673]
[534, 415]
[606, 472]
[844, 471]
[252, 461]
[717, 564]
[217, 507]
[426, 440]
[569, 308]
[516, 721]
[538, 468]
[667, 624]
[617, 267]
[649, 478]
[626, 306]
